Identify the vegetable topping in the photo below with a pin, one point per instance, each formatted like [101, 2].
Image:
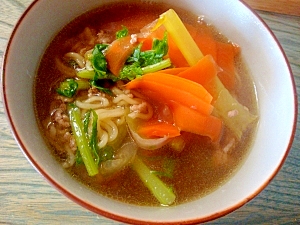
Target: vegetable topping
[192, 75]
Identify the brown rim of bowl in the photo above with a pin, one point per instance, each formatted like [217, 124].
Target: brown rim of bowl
[131, 220]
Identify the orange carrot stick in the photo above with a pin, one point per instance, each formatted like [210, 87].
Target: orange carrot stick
[223, 53]
[225, 56]
[117, 54]
[204, 40]
[166, 93]
[225, 59]
[158, 129]
[192, 121]
[179, 83]
[207, 45]
[146, 43]
[175, 54]
[202, 72]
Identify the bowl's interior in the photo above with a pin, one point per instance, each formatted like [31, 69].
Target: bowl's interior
[266, 63]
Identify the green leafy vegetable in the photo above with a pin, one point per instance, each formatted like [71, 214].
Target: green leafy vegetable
[158, 66]
[141, 62]
[81, 140]
[99, 62]
[100, 69]
[122, 33]
[90, 75]
[135, 57]
[161, 47]
[156, 186]
[86, 74]
[69, 87]
[96, 84]
[131, 71]
[83, 84]
[90, 129]
[134, 70]
[78, 158]
[150, 57]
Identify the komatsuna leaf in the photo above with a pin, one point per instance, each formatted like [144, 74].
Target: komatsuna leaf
[98, 60]
[67, 88]
[160, 47]
[122, 33]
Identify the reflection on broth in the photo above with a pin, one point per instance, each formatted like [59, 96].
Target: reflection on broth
[139, 113]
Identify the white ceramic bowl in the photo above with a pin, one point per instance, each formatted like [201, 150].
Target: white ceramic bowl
[261, 51]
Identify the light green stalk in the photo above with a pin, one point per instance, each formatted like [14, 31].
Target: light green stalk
[81, 140]
[159, 189]
[156, 67]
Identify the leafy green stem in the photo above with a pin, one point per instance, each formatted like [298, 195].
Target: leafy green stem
[157, 187]
[156, 67]
[81, 140]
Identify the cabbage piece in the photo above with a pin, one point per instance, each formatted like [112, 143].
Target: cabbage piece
[123, 158]
[224, 104]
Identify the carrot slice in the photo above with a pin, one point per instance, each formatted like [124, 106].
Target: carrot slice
[204, 40]
[223, 53]
[225, 59]
[179, 83]
[207, 44]
[175, 54]
[146, 43]
[117, 54]
[202, 72]
[192, 121]
[158, 129]
[166, 93]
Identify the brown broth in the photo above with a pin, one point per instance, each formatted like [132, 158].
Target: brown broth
[198, 170]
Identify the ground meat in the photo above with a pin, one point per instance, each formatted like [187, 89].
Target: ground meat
[140, 108]
[233, 113]
[103, 37]
[60, 132]
[60, 118]
[88, 38]
[69, 138]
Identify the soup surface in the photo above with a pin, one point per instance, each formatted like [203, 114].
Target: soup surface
[191, 165]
